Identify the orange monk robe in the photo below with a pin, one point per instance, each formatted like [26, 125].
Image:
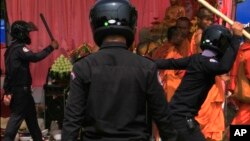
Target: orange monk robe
[243, 114]
[195, 42]
[170, 78]
[243, 50]
[210, 116]
[159, 53]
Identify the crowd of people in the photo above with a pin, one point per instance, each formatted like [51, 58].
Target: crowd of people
[172, 91]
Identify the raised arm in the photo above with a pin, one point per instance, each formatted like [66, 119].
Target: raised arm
[177, 64]
[28, 55]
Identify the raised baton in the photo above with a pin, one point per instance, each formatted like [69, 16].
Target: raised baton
[225, 18]
[47, 27]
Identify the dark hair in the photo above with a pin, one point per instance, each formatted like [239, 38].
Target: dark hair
[172, 32]
[185, 19]
[203, 12]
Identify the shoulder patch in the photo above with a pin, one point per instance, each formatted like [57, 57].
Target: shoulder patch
[213, 60]
[73, 76]
[25, 49]
[159, 78]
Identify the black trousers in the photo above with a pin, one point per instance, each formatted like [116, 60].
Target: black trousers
[184, 132]
[22, 108]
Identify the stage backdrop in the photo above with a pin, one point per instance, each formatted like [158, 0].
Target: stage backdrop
[69, 22]
[241, 12]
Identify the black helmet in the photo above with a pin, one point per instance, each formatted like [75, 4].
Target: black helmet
[216, 38]
[20, 31]
[113, 17]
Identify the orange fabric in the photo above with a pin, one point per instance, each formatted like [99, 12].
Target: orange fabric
[170, 78]
[210, 116]
[195, 42]
[243, 115]
[242, 90]
[245, 48]
[160, 52]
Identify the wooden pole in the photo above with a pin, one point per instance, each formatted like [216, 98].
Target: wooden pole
[225, 18]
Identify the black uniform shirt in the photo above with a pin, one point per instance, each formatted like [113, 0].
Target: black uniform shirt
[199, 78]
[108, 93]
[17, 59]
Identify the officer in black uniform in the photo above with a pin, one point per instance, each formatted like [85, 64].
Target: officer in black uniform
[18, 80]
[219, 52]
[109, 89]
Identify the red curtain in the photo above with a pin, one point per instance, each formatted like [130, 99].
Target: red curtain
[69, 23]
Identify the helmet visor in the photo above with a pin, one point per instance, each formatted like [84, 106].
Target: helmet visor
[31, 27]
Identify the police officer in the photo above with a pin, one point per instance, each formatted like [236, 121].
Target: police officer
[218, 55]
[109, 89]
[18, 80]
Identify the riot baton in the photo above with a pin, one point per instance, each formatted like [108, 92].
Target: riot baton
[47, 27]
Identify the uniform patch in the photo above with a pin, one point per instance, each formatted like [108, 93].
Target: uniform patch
[213, 60]
[25, 49]
[73, 76]
[159, 78]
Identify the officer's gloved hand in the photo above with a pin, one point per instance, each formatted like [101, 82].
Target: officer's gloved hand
[54, 44]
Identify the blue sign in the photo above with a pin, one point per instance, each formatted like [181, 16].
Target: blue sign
[242, 12]
[2, 31]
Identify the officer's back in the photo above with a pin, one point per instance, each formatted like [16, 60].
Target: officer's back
[109, 90]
